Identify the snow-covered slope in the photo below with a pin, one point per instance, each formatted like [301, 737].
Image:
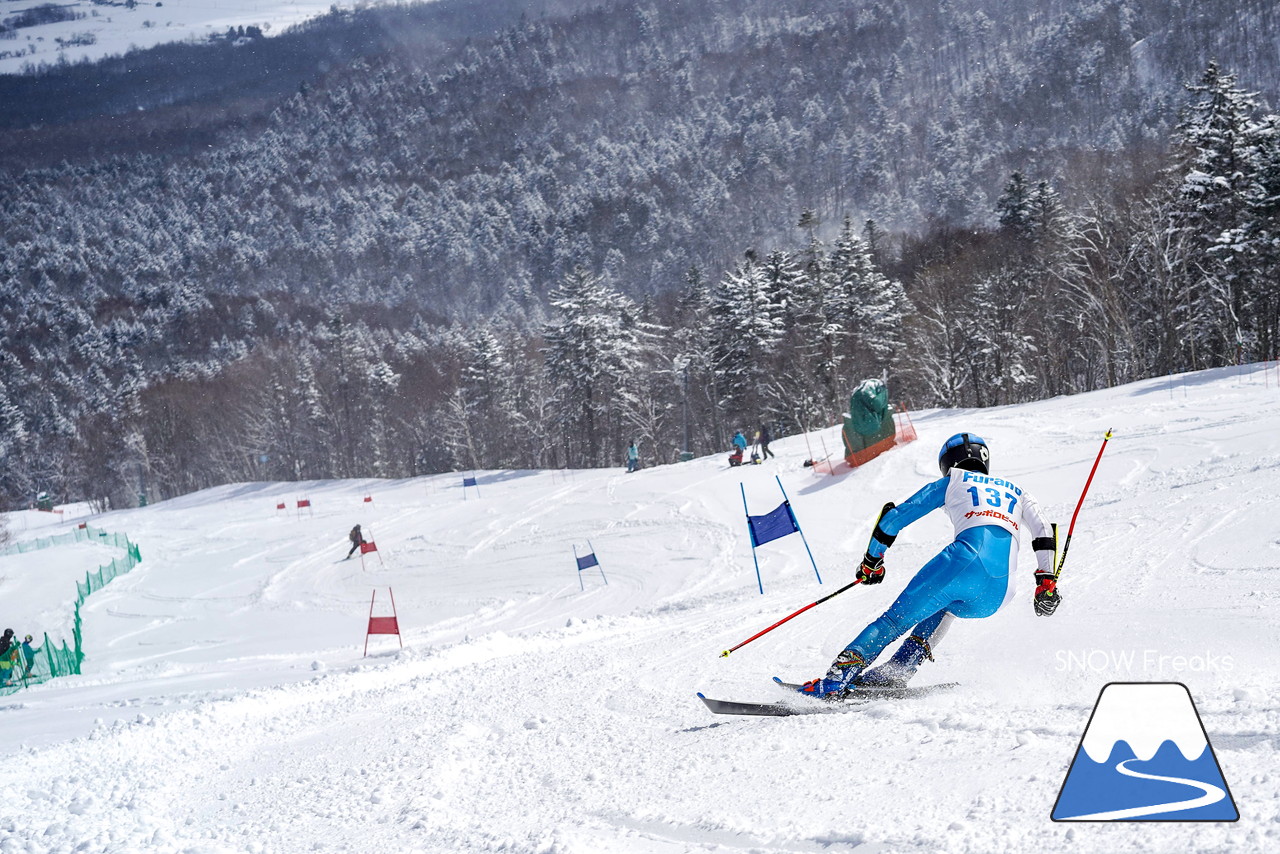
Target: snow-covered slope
[94, 30]
[225, 705]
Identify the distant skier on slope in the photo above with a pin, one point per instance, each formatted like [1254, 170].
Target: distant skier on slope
[357, 540]
[969, 578]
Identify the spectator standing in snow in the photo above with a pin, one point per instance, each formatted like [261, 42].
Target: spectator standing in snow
[8, 656]
[357, 540]
[28, 653]
[765, 439]
[633, 457]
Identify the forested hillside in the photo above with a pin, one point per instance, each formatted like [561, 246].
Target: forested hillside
[529, 250]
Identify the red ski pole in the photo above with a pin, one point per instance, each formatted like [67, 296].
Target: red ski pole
[788, 617]
[1067, 543]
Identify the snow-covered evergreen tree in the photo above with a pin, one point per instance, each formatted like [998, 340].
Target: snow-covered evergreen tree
[868, 306]
[1255, 242]
[1014, 209]
[745, 333]
[1213, 168]
[1045, 211]
[483, 412]
[591, 355]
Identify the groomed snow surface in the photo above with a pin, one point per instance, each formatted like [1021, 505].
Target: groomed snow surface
[109, 27]
[225, 705]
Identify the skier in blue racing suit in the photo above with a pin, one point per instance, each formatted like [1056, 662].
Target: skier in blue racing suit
[969, 578]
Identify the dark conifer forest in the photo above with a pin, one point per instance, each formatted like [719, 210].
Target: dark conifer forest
[414, 239]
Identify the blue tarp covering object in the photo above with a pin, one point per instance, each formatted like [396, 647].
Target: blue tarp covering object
[773, 525]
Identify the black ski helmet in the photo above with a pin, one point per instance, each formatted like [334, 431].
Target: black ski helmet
[964, 451]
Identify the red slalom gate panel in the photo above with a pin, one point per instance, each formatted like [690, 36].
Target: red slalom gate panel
[370, 546]
[383, 625]
[304, 502]
[368, 499]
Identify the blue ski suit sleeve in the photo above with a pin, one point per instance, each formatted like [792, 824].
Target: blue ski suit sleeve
[927, 499]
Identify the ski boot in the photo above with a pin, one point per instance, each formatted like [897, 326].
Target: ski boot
[839, 679]
[897, 671]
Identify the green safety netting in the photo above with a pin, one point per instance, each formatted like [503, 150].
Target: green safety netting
[52, 661]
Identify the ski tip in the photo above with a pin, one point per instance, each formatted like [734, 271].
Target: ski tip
[702, 696]
[779, 681]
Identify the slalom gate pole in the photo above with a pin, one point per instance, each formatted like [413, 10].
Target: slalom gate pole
[798, 528]
[599, 566]
[752, 534]
[1066, 544]
[788, 617]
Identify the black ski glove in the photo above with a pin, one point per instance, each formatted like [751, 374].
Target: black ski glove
[872, 569]
[1047, 596]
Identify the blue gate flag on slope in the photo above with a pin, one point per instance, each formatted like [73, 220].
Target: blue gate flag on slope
[587, 561]
[1145, 756]
[774, 525]
[469, 481]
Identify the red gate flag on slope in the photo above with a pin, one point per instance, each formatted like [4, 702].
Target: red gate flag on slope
[368, 546]
[382, 625]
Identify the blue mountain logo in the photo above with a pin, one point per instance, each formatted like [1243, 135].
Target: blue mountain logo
[1145, 756]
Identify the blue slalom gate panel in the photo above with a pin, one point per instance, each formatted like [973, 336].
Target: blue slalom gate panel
[587, 561]
[772, 525]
